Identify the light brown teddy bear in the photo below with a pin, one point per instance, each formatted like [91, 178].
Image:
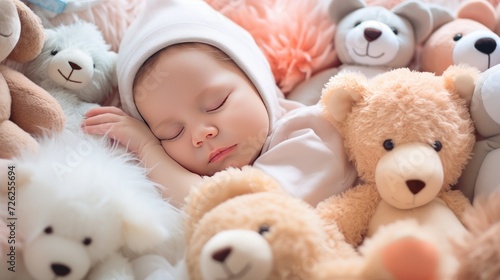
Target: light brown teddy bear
[409, 135]
[242, 225]
[479, 252]
[25, 108]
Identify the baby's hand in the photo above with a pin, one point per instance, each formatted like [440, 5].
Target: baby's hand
[117, 125]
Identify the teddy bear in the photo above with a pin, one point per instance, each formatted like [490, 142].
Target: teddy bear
[77, 67]
[241, 224]
[370, 40]
[400, 250]
[81, 209]
[481, 177]
[294, 51]
[409, 134]
[468, 37]
[478, 253]
[26, 110]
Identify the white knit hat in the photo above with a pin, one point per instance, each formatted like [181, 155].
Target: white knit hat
[167, 22]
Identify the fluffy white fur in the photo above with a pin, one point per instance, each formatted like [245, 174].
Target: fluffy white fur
[84, 208]
[77, 67]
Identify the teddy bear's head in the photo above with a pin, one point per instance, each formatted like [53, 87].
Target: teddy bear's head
[485, 103]
[466, 38]
[376, 36]
[75, 58]
[407, 132]
[241, 225]
[21, 35]
[81, 202]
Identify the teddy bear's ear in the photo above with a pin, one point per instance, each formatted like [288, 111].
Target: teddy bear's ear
[31, 41]
[478, 10]
[340, 95]
[418, 15]
[340, 8]
[440, 15]
[148, 221]
[461, 80]
[225, 185]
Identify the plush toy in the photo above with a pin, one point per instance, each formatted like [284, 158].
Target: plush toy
[295, 36]
[111, 16]
[370, 40]
[409, 135]
[481, 176]
[466, 38]
[400, 250]
[85, 210]
[479, 252]
[242, 225]
[26, 110]
[77, 67]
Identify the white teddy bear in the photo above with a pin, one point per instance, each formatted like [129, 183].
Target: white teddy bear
[85, 211]
[370, 40]
[77, 67]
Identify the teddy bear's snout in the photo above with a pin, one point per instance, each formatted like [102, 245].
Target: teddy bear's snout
[410, 175]
[236, 254]
[71, 68]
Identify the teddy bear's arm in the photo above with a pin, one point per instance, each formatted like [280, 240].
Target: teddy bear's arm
[352, 211]
[457, 202]
[33, 108]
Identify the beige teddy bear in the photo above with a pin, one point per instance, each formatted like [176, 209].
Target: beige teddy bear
[26, 109]
[409, 135]
[242, 225]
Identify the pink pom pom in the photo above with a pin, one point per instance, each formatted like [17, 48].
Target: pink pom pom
[295, 36]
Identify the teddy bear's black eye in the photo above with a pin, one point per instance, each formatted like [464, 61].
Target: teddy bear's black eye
[263, 229]
[437, 146]
[48, 230]
[87, 241]
[94, 66]
[388, 144]
[457, 37]
[357, 23]
[394, 30]
[54, 52]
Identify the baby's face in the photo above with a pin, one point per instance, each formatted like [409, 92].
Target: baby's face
[206, 113]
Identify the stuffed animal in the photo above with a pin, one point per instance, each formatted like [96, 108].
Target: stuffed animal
[409, 134]
[77, 67]
[479, 252]
[84, 210]
[242, 225]
[400, 250]
[466, 38]
[295, 36]
[370, 40]
[481, 176]
[26, 110]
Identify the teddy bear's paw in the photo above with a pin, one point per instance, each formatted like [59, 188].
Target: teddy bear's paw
[411, 258]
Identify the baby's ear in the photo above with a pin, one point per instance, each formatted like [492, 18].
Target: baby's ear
[225, 185]
[340, 95]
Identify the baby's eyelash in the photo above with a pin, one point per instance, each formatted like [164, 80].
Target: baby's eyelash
[172, 138]
[220, 105]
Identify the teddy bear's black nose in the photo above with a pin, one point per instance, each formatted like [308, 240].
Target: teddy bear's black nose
[415, 186]
[74, 66]
[486, 45]
[371, 34]
[60, 269]
[221, 255]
